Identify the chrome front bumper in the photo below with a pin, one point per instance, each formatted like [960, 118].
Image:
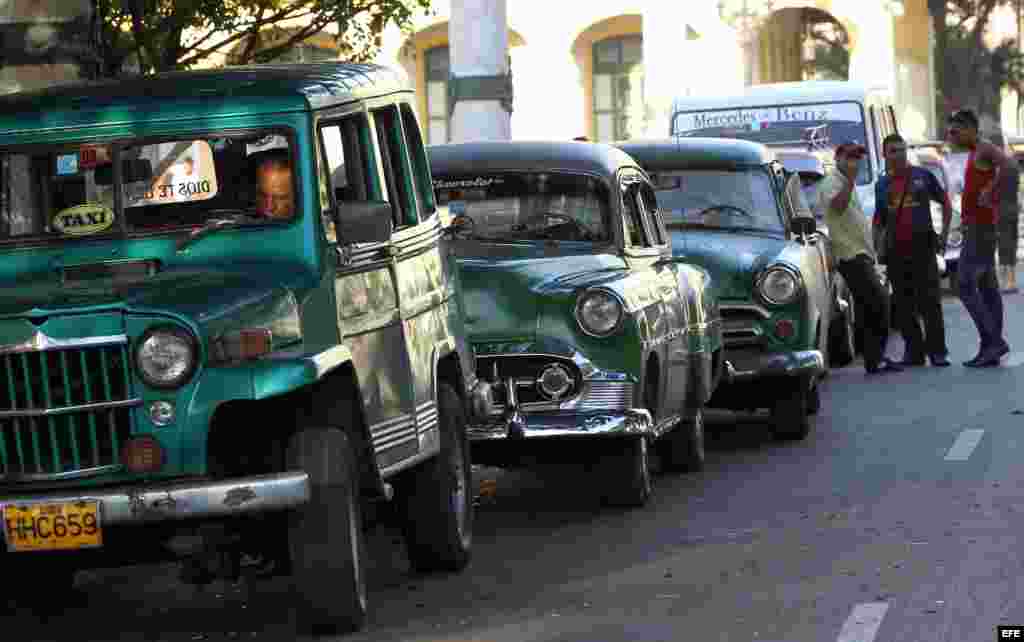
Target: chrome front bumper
[518, 425]
[172, 501]
[782, 364]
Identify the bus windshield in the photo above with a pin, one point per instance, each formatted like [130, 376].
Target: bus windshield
[811, 126]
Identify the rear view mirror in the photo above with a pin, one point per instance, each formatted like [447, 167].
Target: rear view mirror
[803, 225]
[364, 222]
[134, 170]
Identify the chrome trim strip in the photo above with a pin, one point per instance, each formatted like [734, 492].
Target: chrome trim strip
[40, 342]
[405, 425]
[186, 499]
[64, 410]
[74, 474]
[387, 423]
[394, 440]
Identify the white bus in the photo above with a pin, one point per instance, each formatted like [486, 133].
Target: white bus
[814, 115]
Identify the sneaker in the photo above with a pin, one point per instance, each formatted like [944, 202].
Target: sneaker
[912, 361]
[939, 360]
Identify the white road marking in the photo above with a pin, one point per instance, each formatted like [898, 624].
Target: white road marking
[863, 623]
[965, 445]
[1013, 360]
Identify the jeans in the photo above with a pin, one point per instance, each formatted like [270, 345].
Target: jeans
[859, 274]
[978, 285]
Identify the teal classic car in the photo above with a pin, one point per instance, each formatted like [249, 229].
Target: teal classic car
[227, 312]
[597, 342]
[725, 205]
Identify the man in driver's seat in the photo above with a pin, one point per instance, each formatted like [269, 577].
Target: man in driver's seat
[274, 195]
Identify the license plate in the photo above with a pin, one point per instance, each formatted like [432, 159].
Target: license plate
[52, 526]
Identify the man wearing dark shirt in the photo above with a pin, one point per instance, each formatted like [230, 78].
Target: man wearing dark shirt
[902, 208]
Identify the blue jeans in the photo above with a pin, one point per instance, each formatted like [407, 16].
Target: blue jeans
[979, 287]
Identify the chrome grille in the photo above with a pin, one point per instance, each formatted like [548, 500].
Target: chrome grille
[741, 325]
[64, 412]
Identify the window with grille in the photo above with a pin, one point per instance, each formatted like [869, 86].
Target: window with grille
[437, 95]
[618, 77]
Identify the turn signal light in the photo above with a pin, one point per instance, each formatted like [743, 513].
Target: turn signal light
[243, 345]
[142, 455]
[784, 329]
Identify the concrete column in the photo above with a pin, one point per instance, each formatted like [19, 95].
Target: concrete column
[478, 46]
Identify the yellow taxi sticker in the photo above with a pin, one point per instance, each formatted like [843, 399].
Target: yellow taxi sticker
[85, 219]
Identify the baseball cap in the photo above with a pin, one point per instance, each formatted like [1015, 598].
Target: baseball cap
[851, 149]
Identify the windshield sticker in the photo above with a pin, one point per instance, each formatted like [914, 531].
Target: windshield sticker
[90, 156]
[760, 117]
[479, 181]
[82, 220]
[67, 164]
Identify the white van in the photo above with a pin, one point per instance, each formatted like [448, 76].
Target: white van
[815, 115]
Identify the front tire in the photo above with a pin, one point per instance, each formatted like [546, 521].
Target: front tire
[325, 537]
[791, 420]
[682, 449]
[437, 516]
[627, 472]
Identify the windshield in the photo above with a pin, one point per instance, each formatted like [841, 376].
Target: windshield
[526, 206]
[59, 192]
[741, 199]
[817, 126]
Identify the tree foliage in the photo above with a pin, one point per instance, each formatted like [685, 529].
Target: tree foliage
[971, 71]
[162, 35]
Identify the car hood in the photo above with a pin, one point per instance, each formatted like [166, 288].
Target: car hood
[208, 296]
[503, 291]
[732, 258]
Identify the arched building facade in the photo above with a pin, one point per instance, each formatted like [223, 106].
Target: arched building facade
[608, 69]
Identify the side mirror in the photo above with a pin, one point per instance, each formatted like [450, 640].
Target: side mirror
[803, 225]
[133, 170]
[363, 222]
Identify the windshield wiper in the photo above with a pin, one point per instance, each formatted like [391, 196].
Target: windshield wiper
[238, 218]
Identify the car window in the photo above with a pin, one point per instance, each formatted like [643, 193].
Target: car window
[421, 167]
[741, 199]
[650, 205]
[636, 236]
[397, 167]
[68, 190]
[526, 206]
[350, 167]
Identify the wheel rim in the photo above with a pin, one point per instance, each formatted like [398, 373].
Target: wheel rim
[459, 488]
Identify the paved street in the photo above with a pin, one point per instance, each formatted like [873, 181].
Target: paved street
[892, 522]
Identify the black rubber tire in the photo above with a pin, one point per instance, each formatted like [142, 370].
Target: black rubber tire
[682, 449]
[325, 537]
[626, 472]
[814, 399]
[437, 498]
[843, 338]
[790, 418]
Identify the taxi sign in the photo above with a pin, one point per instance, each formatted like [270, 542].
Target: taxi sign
[81, 220]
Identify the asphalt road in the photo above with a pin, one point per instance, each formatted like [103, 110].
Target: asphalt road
[897, 520]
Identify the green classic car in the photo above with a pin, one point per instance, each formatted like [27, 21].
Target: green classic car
[227, 313]
[725, 204]
[598, 343]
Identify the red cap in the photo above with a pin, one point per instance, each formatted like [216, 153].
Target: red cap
[851, 150]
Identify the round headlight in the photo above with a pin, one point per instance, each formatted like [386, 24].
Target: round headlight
[778, 286]
[165, 357]
[599, 313]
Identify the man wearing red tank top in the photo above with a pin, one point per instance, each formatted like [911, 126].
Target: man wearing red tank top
[978, 284]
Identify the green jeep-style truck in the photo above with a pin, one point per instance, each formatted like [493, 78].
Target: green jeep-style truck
[189, 347]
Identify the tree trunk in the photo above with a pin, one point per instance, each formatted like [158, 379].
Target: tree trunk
[938, 11]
